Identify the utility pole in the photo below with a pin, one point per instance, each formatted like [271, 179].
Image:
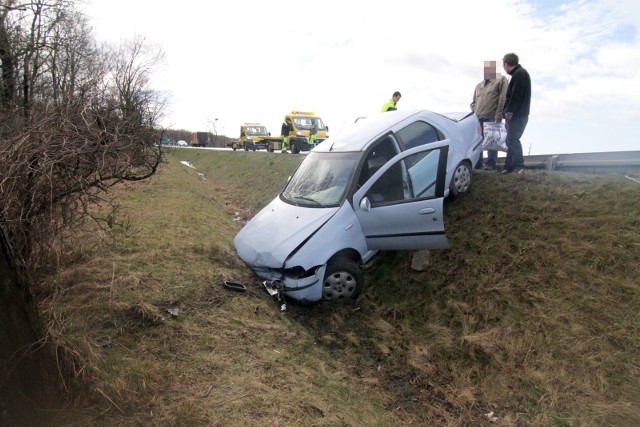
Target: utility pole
[213, 123]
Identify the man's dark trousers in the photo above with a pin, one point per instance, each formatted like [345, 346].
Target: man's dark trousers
[515, 129]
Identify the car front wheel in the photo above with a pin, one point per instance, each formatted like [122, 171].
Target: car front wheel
[343, 280]
[461, 180]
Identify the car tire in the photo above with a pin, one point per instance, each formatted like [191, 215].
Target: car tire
[246, 146]
[294, 148]
[343, 280]
[461, 180]
[234, 146]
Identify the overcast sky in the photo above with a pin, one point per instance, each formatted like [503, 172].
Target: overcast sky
[255, 60]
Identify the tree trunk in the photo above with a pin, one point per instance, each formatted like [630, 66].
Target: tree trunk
[7, 94]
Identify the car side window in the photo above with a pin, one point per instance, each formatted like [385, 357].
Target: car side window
[418, 133]
[378, 155]
[412, 178]
[422, 174]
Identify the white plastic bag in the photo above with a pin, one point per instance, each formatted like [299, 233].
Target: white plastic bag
[495, 136]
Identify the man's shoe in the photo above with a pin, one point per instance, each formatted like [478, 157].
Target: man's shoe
[505, 171]
[518, 171]
[489, 167]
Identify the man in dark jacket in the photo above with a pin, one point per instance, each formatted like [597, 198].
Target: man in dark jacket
[516, 111]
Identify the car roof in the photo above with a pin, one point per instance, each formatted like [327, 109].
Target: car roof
[358, 135]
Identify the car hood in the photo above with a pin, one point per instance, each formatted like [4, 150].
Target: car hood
[276, 231]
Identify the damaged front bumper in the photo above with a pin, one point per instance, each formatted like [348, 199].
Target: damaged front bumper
[305, 289]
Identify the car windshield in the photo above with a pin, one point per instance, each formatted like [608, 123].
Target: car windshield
[304, 123]
[256, 130]
[322, 179]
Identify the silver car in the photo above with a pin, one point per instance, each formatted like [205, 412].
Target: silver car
[378, 185]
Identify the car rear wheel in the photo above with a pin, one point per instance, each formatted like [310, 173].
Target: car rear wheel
[294, 148]
[461, 180]
[343, 280]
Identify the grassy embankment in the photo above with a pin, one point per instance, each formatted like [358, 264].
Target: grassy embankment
[533, 314]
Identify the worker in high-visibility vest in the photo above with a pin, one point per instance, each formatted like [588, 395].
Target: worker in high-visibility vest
[313, 135]
[391, 105]
[287, 127]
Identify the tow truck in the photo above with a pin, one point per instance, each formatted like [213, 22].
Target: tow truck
[299, 135]
[253, 136]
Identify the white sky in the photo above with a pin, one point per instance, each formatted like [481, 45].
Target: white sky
[255, 60]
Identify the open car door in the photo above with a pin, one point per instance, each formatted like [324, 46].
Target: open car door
[401, 206]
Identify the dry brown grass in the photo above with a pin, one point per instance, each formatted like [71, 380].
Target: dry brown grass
[532, 314]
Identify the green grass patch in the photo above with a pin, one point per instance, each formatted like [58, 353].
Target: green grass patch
[533, 312]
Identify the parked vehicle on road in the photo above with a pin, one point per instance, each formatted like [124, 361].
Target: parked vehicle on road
[200, 139]
[378, 185]
[253, 136]
[299, 135]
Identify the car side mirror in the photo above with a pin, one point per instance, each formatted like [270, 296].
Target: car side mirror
[327, 128]
[365, 204]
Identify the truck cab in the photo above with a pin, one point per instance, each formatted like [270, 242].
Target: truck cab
[299, 135]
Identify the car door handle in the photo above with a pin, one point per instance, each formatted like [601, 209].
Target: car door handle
[426, 211]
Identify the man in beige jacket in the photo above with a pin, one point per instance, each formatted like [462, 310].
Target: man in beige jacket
[488, 105]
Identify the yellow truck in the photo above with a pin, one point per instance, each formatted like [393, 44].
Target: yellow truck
[253, 136]
[299, 135]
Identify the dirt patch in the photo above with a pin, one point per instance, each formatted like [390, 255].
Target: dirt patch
[28, 386]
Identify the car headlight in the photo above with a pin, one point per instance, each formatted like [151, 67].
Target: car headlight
[299, 272]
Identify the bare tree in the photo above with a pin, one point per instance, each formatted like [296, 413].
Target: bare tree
[134, 61]
[75, 120]
[215, 125]
[76, 66]
[8, 56]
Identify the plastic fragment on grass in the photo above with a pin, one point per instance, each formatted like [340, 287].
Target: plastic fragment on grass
[234, 286]
[490, 417]
[103, 341]
[269, 286]
[172, 309]
[274, 289]
[632, 179]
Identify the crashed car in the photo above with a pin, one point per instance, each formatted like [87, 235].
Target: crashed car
[378, 185]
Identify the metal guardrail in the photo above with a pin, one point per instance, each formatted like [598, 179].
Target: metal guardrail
[605, 160]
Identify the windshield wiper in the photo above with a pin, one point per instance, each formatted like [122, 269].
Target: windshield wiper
[309, 199]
